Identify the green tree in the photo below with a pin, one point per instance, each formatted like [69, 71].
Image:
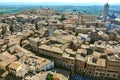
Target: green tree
[76, 34]
[3, 31]
[62, 18]
[36, 25]
[92, 41]
[49, 77]
[11, 28]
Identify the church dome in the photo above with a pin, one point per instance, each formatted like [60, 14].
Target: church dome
[113, 16]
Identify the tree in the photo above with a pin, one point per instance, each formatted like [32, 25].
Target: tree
[76, 34]
[97, 25]
[49, 77]
[11, 29]
[62, 18]
[92, 41]
[36, 25]
[3, 31]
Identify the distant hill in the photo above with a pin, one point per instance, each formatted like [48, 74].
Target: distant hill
[9, 8]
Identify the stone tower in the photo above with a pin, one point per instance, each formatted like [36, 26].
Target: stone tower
[105, 13]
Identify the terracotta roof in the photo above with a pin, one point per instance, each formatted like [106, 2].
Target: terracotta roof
[15, 65]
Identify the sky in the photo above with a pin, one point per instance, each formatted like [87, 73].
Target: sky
[66, 1]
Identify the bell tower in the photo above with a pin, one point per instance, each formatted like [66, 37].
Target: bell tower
[105, 13]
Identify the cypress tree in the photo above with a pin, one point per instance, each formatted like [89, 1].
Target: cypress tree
[36, 25]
